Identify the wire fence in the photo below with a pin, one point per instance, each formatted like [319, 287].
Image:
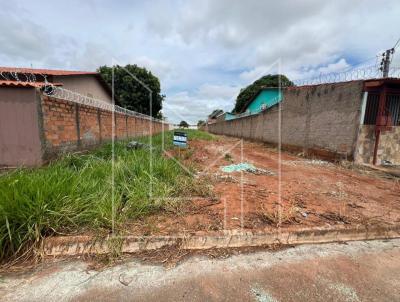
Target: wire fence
[53, 90]
[22, 76]
[75, 97]
[364, 73]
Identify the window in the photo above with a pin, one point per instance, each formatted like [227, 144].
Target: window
[392, 109]
[371, 110]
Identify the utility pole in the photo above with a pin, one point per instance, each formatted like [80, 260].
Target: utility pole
[385, 63]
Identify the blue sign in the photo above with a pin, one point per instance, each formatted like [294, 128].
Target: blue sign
[180, 139]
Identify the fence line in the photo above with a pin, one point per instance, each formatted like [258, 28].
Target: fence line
[51, 90]
[364, 73]
[75, 97]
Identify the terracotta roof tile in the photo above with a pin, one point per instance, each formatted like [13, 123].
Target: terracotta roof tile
[53, 72]
[25, 84]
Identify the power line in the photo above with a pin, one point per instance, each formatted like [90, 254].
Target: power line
[387, 58]
[385, 63]
[397, 43]
[367, 60]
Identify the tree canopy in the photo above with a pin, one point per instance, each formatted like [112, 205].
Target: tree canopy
[129, 93]
[250, 91]
[216, 113]
[183, 124]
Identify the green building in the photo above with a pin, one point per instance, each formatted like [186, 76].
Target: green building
[264, 99]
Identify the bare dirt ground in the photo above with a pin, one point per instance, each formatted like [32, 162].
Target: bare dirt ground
[306, 193]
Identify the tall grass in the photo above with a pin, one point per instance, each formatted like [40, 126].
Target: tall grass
[74, 194]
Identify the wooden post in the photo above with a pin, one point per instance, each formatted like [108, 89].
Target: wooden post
[380, 117]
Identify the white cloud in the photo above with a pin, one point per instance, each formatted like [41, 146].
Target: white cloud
[202, 51]
[335, 67]
[196, 106]
[217, 91]
[257, 72]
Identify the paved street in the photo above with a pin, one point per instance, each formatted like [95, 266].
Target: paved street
[357, 271]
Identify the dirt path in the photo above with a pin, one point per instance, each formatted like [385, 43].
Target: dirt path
[305, 193]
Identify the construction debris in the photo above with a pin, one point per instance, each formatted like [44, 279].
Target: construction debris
[315, 162]
[225, 178]
[386, 163]
[247, 168]
[134, 145]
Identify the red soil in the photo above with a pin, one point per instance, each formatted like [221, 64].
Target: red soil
[311, 193]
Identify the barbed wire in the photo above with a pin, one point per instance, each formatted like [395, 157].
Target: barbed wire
[364, 73]
[53, 90]
[75, 97]
[23, 77]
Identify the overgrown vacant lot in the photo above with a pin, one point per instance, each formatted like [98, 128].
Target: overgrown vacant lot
[190, 193]
[308, 193]
[74, 194]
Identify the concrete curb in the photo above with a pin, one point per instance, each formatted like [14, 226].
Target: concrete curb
[80, 245]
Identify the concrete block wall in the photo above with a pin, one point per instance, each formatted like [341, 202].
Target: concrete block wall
[322, 120]
[68, 126]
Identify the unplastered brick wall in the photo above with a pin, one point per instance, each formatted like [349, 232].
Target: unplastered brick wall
[59, 123]
[68, 126]
[89, 128]
[322, 120]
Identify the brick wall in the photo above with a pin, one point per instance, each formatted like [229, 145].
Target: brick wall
[59, 124]
[89, 130]
[69, 126]
[322, 120]
[106, 125]
[120, 126]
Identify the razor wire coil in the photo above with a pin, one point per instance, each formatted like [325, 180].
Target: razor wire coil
[54, 91]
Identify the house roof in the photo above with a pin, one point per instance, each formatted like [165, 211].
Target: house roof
[53, 72]
[216, 113]
[255, 96]
[50, 72]
[25, 84]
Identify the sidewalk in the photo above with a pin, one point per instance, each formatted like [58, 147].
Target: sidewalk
[357, 271]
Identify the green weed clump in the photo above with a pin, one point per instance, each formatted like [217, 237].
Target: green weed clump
[78, 192]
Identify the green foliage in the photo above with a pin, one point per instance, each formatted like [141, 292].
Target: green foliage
[200, 123]
[216, 113]
[130, 93]
[183, 124]
[250, 91]
[74, 194]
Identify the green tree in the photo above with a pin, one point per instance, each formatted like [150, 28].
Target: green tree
[183, 124]
[160, 116]
[200, 123]
[250, 91]
[129, 93]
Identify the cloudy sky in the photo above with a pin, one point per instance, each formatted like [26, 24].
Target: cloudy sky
[202, 51]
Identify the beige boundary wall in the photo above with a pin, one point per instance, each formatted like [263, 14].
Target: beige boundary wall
[323, 120]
